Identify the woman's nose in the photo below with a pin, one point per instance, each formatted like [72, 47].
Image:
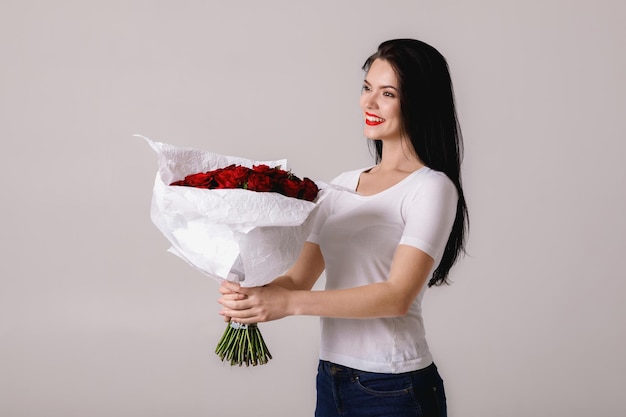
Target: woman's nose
[370, 101]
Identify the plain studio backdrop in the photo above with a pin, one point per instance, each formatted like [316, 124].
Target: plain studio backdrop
[98, 320]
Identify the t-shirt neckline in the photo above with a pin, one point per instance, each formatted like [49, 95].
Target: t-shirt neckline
[386, 190]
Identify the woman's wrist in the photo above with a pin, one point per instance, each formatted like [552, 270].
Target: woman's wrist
[293, 303]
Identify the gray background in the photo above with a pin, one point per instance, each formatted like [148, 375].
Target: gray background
[96, 319]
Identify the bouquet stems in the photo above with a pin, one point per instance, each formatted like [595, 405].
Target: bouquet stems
[243, 344]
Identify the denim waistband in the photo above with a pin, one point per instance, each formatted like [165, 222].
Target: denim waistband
[341, 370]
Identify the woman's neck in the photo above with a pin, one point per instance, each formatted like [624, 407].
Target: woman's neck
[399, 156]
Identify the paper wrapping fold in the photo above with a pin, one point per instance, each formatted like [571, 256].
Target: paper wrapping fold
[238, 235]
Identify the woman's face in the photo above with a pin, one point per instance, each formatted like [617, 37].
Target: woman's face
[380, 102]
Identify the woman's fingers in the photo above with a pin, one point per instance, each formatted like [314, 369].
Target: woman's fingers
[233, 296]
[241, 310]
[235, 302]
[243, 305]
[231, 291]
[230, 286]
[240, 316]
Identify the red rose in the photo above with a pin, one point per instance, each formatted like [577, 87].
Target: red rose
[290, 187]
[262, 168]
[276, 174]
[230, 177]
[240, 173]
[201, 179]
[309, 189]
[259, 182]
[280, 176]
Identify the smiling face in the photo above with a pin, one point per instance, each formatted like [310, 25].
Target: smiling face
[380, 102]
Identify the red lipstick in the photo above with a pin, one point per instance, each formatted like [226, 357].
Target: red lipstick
[369, 122]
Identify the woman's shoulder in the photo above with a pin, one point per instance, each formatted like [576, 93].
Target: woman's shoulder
[431, 180]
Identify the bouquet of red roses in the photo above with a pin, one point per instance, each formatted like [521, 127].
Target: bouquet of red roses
[261, 178]
[233, 219]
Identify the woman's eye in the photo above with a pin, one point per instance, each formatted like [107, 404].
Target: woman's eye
[365, 87]
[388, 94]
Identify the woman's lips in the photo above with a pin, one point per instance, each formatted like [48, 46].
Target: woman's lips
[372, 119]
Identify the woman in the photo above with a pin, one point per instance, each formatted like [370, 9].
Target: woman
[401, 224]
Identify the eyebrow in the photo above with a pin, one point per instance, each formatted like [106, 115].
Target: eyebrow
[382, 86]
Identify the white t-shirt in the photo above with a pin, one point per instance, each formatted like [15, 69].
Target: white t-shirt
[358, 236]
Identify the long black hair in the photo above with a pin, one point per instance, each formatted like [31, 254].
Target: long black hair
[430, 122]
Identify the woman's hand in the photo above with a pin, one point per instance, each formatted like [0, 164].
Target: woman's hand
[253, 305]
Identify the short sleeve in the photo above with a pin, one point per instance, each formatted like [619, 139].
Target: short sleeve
[429, 215]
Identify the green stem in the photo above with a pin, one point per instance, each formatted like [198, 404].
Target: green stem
[243, 344]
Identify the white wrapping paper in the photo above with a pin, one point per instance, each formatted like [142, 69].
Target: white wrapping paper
[237, 235]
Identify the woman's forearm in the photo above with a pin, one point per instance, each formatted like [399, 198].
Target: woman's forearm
[390, 298]
[374, 300]
[287, 282]
[305, 272]
[272, 302]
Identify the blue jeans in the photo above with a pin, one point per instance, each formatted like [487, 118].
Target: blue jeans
[343, 391]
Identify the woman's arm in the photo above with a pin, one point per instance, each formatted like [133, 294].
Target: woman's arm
[305, 271]
[291, 295]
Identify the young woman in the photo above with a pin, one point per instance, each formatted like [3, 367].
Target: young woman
[398, 228]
